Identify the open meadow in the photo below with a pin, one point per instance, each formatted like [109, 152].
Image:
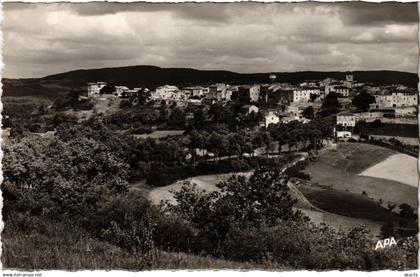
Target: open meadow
[340, 168]
[399, 167]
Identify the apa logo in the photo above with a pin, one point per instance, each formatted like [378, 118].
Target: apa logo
[385, 243]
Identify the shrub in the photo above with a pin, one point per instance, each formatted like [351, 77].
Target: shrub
[302, 245]
[262, 198]
[172, 233]
[125, 104]
[136, 238]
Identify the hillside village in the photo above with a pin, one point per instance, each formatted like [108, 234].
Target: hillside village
[210, 136]
[274, 102]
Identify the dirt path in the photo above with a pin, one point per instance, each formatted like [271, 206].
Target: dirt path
[203, 182]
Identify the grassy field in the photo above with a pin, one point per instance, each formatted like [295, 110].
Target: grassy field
[319, 212]
[342, 223]
[347, 204]
[399, 167]
[23, 106]
[405, 140]
[340, 168]
[161, 134]
[105, 104]
[386, 129]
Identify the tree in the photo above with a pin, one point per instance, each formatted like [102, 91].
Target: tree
[108, 89]
[363, 100]
[360, 127]
[261, 199]
[279, 133]
[125, 104]
[18, 131]
[71, 177]
[199, 119]
[407, 211]
[61, 118]
[142, 97]
[234, 145]
[313, 96]
[194, 205]
[324, 125]
[264, 198]
[314, 134]
[388, 230]
[266, 140]
[163, 114]
[177, 119]
[223, 114]
[196, 141]
[330, 105]
[308, 112]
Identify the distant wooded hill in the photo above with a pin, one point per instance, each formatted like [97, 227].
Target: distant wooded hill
[152, 76]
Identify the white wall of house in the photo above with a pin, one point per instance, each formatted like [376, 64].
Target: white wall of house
[271, 118]
[343, 91]
[328, 89]
[396, 100]
[301, 95]
[254, 93]
[95, 88]
[119, 90]
[167, 92]
[250, 108]
[346, 120]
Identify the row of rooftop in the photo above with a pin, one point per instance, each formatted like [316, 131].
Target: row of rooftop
[386, 96]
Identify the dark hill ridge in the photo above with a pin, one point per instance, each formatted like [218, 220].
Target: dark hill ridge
[151, 76]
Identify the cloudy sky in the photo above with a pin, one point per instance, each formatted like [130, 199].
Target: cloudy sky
[42, 39]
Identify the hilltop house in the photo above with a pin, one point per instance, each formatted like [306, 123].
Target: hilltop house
[94, 88]
[219, 92]
[248, 94]
[254, 93]
[344, 125]
[395, 100]
[197, 91]
[270, 118]
[120, 91]
[250, 109]
[168, 93]
[304, 94]
[343, 91]
[346, 120]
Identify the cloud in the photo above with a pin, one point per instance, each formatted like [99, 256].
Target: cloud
[243, 37]
[194, 11]
[362, 14]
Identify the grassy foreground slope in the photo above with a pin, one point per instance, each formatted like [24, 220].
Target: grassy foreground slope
[37, 243]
